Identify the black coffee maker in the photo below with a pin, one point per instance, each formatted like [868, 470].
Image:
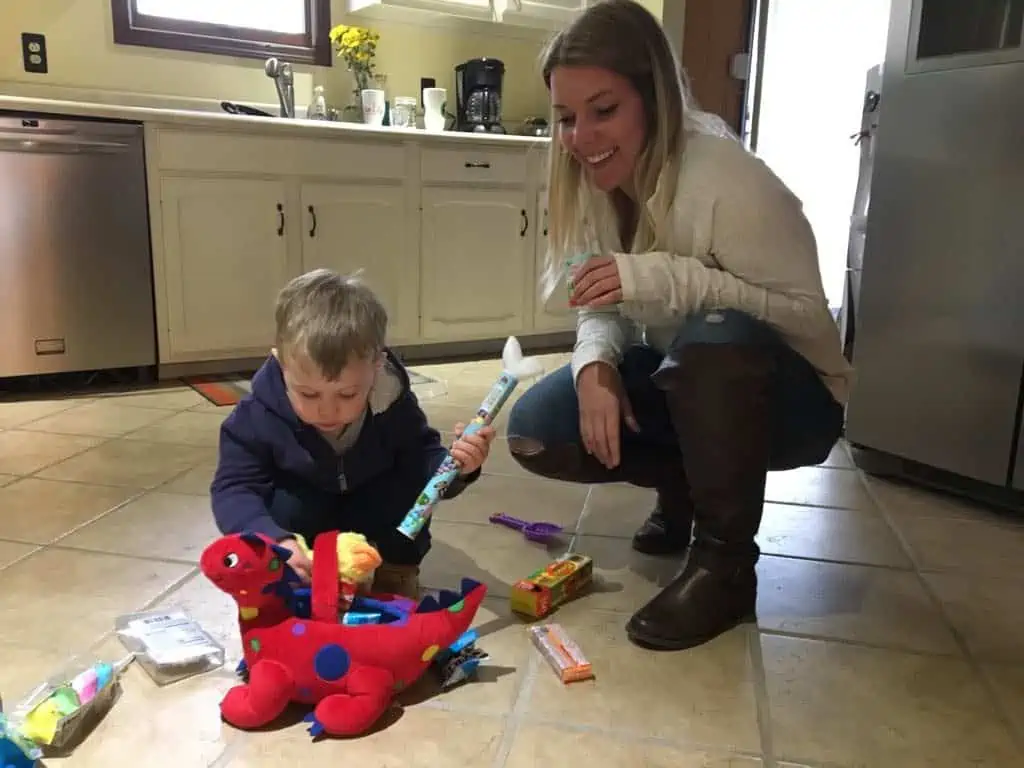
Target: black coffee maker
[478, 95]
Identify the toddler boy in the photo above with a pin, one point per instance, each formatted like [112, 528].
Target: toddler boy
[332, 436]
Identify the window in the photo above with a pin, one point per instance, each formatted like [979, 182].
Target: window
[295, 30]
[952, 27]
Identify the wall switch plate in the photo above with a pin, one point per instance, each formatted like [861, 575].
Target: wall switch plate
[33, 52]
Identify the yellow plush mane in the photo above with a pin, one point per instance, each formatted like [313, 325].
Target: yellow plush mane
[357, 558]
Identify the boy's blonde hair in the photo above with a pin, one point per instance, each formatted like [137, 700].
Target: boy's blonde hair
[329, 319]
[623, 37]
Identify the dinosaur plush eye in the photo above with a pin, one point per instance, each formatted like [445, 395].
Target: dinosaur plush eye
[230, 560]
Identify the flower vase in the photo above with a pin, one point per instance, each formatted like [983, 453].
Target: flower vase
[353, 111]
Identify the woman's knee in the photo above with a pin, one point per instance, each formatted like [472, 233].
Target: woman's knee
[543, 419]
[548, 411]
[724, 326]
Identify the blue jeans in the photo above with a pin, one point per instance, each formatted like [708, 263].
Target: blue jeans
[311, 511]
[806, 421]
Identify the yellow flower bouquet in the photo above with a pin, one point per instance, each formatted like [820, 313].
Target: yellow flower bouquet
[356, 46]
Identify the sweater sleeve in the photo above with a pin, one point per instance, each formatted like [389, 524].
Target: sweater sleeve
[765, 251]
[601, 336]
[242, 484]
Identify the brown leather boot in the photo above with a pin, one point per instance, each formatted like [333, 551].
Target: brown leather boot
[668, 529]
[719, 400]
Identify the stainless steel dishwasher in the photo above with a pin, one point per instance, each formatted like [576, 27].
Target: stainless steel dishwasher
[76, 286]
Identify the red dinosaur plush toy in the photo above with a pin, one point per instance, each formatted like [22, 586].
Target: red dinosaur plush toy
[349, 673]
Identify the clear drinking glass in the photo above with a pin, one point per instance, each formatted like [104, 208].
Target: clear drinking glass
[403, 113]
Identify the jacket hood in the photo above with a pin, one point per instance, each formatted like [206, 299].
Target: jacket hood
[268, 388]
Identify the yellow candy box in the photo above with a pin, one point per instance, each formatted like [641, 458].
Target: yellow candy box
[547, 588]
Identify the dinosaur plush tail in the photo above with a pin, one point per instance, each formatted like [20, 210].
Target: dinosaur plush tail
[444, 618]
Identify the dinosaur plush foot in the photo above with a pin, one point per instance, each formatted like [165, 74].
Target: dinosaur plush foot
[368, 692]
[262, 699]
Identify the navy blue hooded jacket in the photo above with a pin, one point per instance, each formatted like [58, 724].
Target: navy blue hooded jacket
[277, 475]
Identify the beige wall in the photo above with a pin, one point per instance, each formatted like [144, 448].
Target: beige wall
[82, 55]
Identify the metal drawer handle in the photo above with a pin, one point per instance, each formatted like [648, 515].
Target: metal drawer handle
[471, 164]
[280, 220]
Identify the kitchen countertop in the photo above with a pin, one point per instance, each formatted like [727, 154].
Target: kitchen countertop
[223, 121]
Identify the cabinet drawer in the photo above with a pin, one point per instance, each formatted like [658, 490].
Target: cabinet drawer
[278, 155]
[473, 166]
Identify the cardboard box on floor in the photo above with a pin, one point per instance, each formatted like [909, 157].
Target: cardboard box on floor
[547, 588]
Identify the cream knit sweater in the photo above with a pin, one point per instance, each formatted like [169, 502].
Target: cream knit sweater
[738, 239]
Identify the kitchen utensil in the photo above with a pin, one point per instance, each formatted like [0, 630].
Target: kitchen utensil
[242, 109]
[538, 532]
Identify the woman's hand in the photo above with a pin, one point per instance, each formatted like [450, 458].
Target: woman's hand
[603, 407]
[596, 283]
[470, 451]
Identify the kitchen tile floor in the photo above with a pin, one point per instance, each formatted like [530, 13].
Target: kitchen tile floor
[890, 632]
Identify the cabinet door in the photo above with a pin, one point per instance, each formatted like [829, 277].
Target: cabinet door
[554, 314]
[225, 254]
[477, 262]
[369, 227]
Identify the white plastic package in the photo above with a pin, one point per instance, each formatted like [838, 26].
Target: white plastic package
[169, 644]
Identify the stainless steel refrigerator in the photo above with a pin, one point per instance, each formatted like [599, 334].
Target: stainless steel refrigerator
[939, 346]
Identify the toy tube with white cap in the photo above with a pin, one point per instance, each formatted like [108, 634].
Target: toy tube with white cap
[516, 368]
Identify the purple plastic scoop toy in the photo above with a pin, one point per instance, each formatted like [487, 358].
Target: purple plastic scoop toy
[538, 532]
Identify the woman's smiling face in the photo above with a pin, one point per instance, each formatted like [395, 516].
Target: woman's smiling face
[601, 122]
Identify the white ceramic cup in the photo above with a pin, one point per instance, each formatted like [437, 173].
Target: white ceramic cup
[433, 108]
[373, 106]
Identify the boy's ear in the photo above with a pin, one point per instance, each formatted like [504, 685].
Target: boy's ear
[379, 362]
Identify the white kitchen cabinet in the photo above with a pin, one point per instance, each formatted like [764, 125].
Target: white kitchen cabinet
[477, 262]
[225, 257]
[369, 227]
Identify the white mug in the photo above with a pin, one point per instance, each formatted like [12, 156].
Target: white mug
[433, 108]
[373, 106]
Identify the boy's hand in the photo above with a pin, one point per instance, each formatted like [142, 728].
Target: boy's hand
[302, 564]
[471, 451]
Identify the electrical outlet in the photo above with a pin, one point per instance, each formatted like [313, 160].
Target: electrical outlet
[33, 52]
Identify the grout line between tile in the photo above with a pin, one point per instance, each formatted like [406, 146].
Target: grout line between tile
[632, 737]
[21, 558]
[811, 505]
[24, 427]
[227, 755]
[972, 662]
[762, 702]
[855, 643]
[798, 762]
[33, 476]
[37, 470]
[781, 556]
[92, 520]
[125, 555]
[515, 716]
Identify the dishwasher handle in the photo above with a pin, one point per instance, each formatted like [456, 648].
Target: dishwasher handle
[50, 143]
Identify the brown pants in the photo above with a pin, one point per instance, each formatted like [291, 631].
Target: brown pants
[401, 580]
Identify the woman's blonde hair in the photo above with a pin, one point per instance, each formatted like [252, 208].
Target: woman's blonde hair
[623, 37]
